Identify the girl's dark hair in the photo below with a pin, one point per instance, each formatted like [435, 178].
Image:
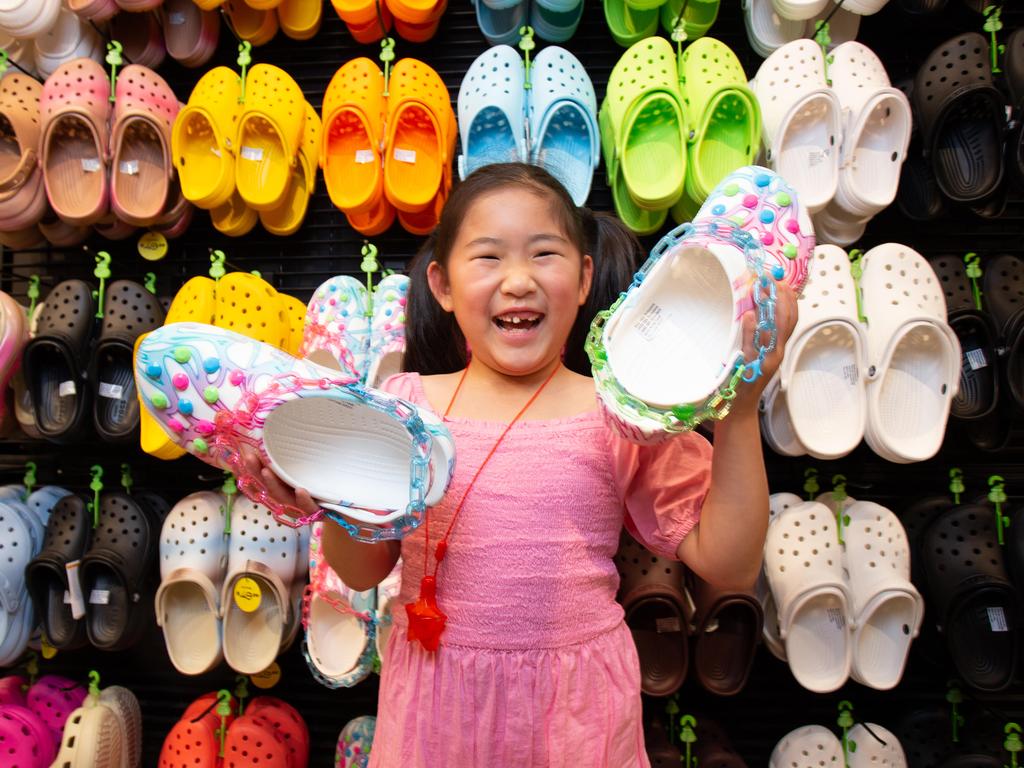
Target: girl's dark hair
[434, 343]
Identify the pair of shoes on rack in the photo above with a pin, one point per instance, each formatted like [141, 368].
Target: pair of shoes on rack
[871, 357]
[215, 732]
[665, 606]
[555, 21]
[962, 147]
[767, 31]
[836, 591]
[248, 162]
[550, 122]
[668, 354]
[105, 731]
[383, 155]
[815, 745]
[672, 128]
[356, 331]
[108, 596]
[240, 302]
[840, 145]
[345, 630]
[178, 28]
[370, 20]
[233, 596]
[799, 10]
[74, 364]
[257, 21]
[630, 21]
[364, 455]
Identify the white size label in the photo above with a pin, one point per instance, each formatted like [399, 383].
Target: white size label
[66, 389]
[74, 593]
[997, 619]
[668, 624]
[252, 153]
[364, 156]
[836, 618]
[91, 164]
[817, 157]
[976, 359]
[851, 373]
[99, 597]
[113, 391]
[405, 155]
[129, 167]
[176, 18]
[650, 321]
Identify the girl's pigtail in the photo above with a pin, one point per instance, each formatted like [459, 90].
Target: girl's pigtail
[433, 342]
[616, 254]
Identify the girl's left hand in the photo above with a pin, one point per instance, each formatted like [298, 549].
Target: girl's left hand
[748, 395]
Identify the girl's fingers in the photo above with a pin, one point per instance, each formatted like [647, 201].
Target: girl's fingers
[276, 488]
[305, 502]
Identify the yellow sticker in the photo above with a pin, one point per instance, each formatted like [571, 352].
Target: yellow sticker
[268, 678]
[48, 650]
[152, 246]
[247, 594]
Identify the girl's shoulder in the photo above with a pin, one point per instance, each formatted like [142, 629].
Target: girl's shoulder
[408, 386]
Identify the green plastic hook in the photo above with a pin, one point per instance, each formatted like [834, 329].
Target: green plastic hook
[96, 485]
[241, 692]
[244, 60]
[29, 480]
[527, 44]
[811, 486]
[993, 25]
[149, 283]
[997, 495]
[672, 709]
[126, 477]
[369, 265]
[230, 490]
[973, 264]
[223, 711]
[688, 736]
[94, 683]
[114, 59]
[956, 483]
[217, 269]
[387, 55]
[678, 35]
[4, 65]
[823, 38]
[857, 270]
[256, 273]
[33, 294]
[102, 271]
[1012, 743]
[839, 497]
[845, 721]
[955, 697]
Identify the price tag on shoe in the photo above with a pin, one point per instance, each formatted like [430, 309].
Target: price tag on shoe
[247, 594]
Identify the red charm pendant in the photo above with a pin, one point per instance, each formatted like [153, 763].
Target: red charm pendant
[426, 622]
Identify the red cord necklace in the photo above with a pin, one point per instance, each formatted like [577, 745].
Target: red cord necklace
[426, 620]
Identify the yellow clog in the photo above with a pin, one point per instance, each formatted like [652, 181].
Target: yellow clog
[287, 218]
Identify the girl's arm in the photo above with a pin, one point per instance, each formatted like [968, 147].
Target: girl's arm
[360, 566]
[726, 547]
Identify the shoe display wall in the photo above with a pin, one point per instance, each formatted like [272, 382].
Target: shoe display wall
[888, 140]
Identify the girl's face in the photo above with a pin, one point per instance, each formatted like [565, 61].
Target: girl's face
[514, 281]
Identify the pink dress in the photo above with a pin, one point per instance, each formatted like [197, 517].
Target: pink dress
[536, 666]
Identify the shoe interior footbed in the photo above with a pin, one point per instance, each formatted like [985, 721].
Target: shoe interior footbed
[200, 161]
[911, 404]
[181, 36]
[191, 628]
[725, 144]
[883, 641]
[566, 149]
[968, 151]
[54, 412]
[75, 168]
[806, 154]
[117, 414]
[139, 178]
[670, 346]
[780, 426]
[653, 157]
[724, 655]
[984, 657]
[107, 621]
[350, 169]
[824, 385]
[292, 208]
[261, 169]
[254, 638]
[490, 140]
[340, 452]
[658, 631]
[816, 643]
[875, 165]
[414, 165]
[58, 623]
[336, 640]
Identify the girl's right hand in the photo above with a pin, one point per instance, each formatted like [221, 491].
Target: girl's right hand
[297, 498]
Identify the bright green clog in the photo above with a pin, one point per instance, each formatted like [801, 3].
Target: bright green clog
[698, 16]
[627, 24]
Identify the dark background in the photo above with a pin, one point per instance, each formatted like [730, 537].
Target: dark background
[772, 703]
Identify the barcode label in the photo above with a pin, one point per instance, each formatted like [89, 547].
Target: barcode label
[836, 618]
[176, 18]
[976, 359]
[91, 164]
[113, 391]
[129, 167]
[252, 153]
[997, 619]
[405, 155]
[670, 624]
[364, 156]
[650, 321]
[99, 597]
[66, 388]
